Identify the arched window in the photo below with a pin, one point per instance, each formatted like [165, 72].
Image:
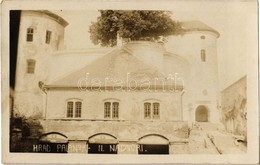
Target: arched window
[151, 110]
[111, 109]
[30, 66]
[29, 36]
[74, 108]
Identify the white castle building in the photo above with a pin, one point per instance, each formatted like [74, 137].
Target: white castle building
[142, 94]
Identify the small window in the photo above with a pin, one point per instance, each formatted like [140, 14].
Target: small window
[48, 37]
[78, 110]
[29, 36]
[70, 109]
[156, 108]
[115, 110]
[151, 110]
[203, 55]
[147, 110]
[202, 37]
[74, 109]
[111, 112]
[30, 66]
[107, 109]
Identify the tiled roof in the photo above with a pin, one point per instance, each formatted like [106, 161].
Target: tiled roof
[117, 65]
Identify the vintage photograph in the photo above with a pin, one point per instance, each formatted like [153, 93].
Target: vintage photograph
[127, 80]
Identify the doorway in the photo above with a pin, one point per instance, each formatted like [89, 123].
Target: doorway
[201, 114]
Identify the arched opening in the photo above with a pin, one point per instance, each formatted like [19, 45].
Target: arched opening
[52, 142]
[153, 144]
[201, 114]
[102, 143]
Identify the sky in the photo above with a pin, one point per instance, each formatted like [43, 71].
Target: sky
[232, 19]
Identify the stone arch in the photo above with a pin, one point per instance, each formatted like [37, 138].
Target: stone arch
[202, 114]
[102, 138]
[153, 144]
[102, 143]
[153, 139]
[52, 142]
[54, 137]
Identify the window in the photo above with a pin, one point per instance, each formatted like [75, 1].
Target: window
[156, 110]
[115, 110]
[107, 109]
[70, 109]
[48, 37]
[203, 55]
[147, 110]
[154, 107]
[78, 110]
[29, 36]
[30, 66]
[111, 112]
[202, 37]
[74, 109]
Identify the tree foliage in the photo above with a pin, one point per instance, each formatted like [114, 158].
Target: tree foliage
[132, 24]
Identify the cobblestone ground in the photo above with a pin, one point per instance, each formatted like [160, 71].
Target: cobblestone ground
[205, 138]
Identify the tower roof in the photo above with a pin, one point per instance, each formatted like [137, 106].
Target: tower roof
[197, 26]
[55, 17]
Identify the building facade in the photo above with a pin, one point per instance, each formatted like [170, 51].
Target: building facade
[138, 98]
[234, 107]
[41, 33]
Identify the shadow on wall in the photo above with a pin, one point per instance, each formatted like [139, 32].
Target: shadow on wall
[24, 132]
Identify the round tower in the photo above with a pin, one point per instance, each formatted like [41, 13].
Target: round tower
[41, 33]
[198, 46]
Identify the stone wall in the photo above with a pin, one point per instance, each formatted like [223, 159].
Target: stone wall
[122, 130]
[234, 107]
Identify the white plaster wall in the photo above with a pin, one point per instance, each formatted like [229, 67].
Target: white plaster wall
[27, 84]
[131, 104]
[202, 82]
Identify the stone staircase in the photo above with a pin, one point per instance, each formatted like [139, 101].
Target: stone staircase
[207, 126]
[215, 139]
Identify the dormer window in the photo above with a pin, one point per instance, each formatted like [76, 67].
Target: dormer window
[48, 37]
[29, 36]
